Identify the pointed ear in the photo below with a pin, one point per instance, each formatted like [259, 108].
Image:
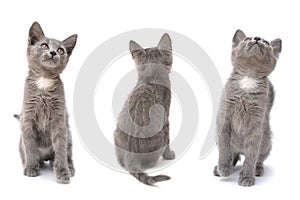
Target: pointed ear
[35, 33]
[165, 43]
[70, 43]
[276, 45]
[133, 46]
[238, 37]
[135, 49]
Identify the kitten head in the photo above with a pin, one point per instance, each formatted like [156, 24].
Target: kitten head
[46, 54]
[254, 55]
[156, 59]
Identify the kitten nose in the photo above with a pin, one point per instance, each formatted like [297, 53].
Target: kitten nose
[53, 53]
[257, 38]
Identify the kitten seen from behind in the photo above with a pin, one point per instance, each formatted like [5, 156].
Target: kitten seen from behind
[142, 133]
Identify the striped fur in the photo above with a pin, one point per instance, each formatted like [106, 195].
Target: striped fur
[142, 133]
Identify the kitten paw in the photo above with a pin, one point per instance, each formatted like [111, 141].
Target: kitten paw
[170, 155]
[31, 172]
[224, 171]
[63, 175]
[259, 171]
[72, 170]
[246, 181]
[216, 173]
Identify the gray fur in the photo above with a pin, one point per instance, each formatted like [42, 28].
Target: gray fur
[44, 119]
[142, 133]
[243, 121]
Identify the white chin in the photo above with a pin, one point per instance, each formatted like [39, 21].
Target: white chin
[49, 64]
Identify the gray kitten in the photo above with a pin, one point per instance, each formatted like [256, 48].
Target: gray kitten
[243, 120]
[44, 119]
[142, 133]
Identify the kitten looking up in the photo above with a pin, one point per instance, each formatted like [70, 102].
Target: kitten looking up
[44, 118]
[243, 126]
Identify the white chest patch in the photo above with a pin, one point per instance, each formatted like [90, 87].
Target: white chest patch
[248, 83]
[44, 83]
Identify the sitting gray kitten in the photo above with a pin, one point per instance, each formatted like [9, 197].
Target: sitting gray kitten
[44, 119]
[142, 133]
[243, 120]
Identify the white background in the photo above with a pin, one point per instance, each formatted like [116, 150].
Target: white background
[211, 24]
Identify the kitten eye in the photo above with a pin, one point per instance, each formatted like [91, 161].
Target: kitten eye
[266, 42]
[60, 51]
[247, 38]
[44, 46]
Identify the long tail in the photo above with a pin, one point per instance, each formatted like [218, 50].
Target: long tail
[149, 180]
[17, 116]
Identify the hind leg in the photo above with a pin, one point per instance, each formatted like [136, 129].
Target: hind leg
[120, 156]
[149, 160]
[259, 169]
[168, 154]
[22, 153]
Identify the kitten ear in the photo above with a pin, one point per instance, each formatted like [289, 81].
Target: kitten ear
[276, 45]
[135, 48]
[238, 37]
[70, 43]
[165, 43]
[35, 33]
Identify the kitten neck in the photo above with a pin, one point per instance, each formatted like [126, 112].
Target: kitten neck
[247, 69]
[154, 75]
[37, 73]
[237, 75]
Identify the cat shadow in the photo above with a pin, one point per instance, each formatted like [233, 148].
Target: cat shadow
[234, 176]
[268, 173]
[160, 164]
[46, 172]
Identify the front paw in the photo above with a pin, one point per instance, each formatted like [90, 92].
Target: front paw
[31, 172]
[216, 172]
[62, 175]
[223, 171]
[246, 181]
[169, 155]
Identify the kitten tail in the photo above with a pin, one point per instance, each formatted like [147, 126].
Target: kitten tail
[17, 116]
[149, 180]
